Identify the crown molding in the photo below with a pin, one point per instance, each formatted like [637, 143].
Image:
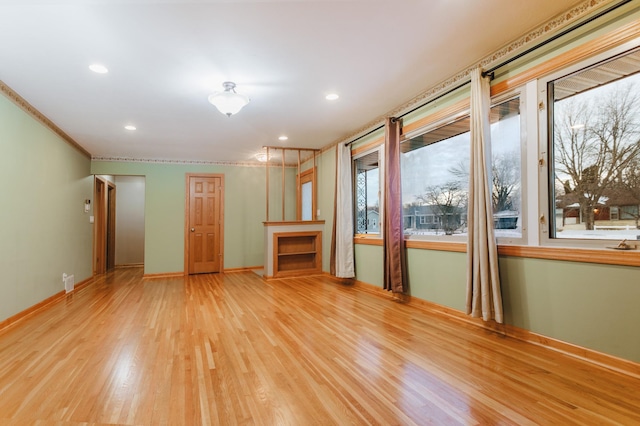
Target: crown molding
[33, 112]
[178, 162]
[187, 162]
[526, 41]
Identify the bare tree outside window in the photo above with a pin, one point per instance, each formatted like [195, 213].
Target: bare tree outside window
[596, 148]
[449, 203]
[505, 177]
[630, 187]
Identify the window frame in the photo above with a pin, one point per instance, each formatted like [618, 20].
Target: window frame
[519, 93]
[545, 148]
[457, 115]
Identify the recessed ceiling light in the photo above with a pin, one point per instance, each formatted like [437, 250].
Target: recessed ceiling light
[99, 68]
[130, 127]
[283, 138]
[332, 96]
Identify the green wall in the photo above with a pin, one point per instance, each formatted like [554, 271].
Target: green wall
[44, 231]
[369, 264]
[590, 305]
[439, 277]
[276, 191]
[244, 212]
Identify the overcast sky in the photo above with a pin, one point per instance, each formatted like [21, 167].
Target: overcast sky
[432, 164]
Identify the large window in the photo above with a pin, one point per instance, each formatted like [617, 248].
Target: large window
[367, 193]
[435, 176]
[594, 169]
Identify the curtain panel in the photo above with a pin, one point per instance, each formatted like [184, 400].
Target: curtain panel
[483, 294]
[342, 253]
[393, 232]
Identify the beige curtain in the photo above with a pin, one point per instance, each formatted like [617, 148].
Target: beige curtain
[343, 223]
[393, 232]
[483, 280]
[332, 254]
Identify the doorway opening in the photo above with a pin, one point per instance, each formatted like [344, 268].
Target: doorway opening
[104, 225]
[118, 243]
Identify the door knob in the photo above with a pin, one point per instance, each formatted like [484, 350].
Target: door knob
[193, 229]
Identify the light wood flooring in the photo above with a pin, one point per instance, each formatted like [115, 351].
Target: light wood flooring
[233, 349]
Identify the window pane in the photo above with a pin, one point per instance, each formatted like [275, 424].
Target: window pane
[307, 202]
[367, 194]
[435, 175]
[596, 151]
[505, 169]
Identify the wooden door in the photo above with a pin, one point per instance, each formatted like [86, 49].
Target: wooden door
[205, 226]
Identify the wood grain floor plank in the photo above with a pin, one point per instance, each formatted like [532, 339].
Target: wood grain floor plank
[233, 349]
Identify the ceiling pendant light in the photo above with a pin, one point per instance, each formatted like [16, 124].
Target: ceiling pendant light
[228, 102]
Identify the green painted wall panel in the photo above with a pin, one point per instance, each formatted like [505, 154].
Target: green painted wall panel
[590, 305]
[369, 264]
[437, 276]
[275, 192]
[44, 231]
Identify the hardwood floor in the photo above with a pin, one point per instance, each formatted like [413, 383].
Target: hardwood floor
[234, 349]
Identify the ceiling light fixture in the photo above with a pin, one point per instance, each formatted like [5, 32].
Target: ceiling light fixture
[332, 96]
[228, 102]
[283, 138]
[98, 68]
[130, 127]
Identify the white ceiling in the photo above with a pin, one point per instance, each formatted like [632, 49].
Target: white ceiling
[166, 57]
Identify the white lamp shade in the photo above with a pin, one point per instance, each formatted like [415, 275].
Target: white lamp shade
[228, 102]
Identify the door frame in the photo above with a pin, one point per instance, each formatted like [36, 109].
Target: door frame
[307, 176]
[101, 212]
[187, 215]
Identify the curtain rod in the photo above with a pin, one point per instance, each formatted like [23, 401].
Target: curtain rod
[491, 71]
[375, 129]
[560, 34]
